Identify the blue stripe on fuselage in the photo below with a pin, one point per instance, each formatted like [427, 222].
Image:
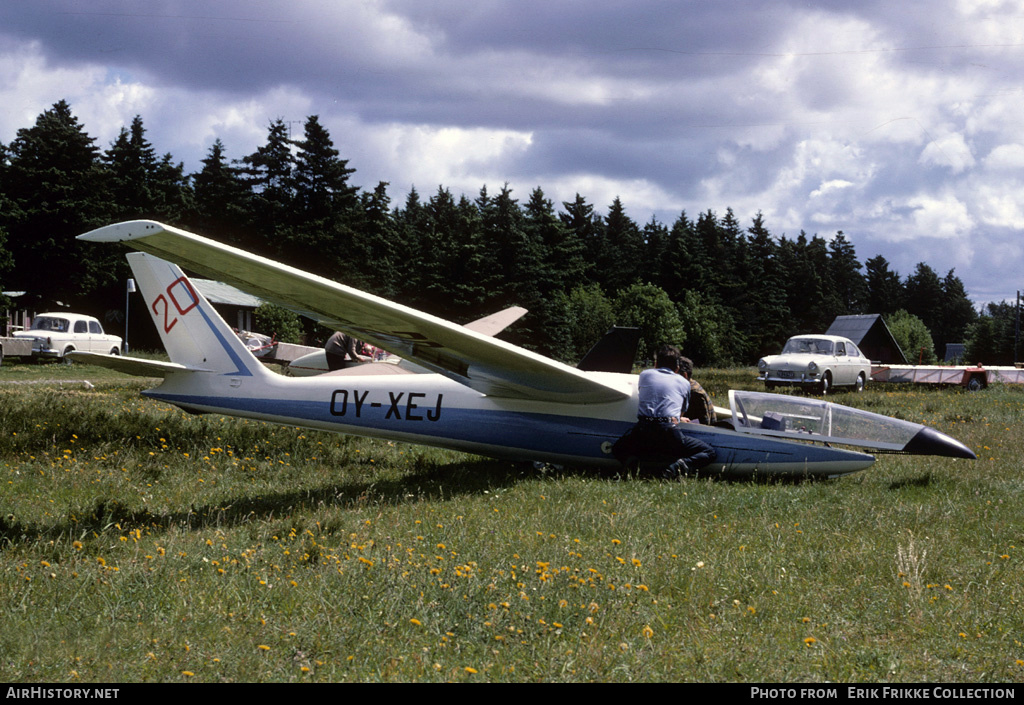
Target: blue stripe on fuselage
[537, 432]
[518, 433]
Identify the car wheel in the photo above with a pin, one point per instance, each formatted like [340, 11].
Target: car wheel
[860, 383]
[825, 386]
[975, 384]
[64, 356]
[115, 351]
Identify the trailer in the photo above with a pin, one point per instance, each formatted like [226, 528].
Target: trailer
[972, 377]
[15, 347]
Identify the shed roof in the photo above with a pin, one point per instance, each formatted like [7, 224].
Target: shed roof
[871, 334]
[221, 293]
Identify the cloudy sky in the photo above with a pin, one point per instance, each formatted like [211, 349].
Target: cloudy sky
[901, 124]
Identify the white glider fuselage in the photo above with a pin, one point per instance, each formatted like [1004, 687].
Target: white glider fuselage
[430, 409]
[479, 394]
[425, 408]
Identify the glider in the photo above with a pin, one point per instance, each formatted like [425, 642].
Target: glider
[471, 392]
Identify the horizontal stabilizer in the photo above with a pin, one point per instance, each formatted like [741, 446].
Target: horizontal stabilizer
[129, 365]
[496, 322]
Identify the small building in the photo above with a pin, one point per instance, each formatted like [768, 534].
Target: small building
[955, 352]
[871, 335]
[235, 305]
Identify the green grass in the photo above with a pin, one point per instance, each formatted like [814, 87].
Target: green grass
[138, 543]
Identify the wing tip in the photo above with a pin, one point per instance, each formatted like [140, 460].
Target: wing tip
[119, 232]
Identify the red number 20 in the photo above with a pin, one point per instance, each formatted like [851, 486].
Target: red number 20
[170, 318]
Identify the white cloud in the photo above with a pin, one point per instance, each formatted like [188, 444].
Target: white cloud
[831, 187]
[1000, 205]
[463, 159]
[950, 151]
[1006, 157]
[641, 197]
[942, 217]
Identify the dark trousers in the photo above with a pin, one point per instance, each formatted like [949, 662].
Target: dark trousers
[663, 440]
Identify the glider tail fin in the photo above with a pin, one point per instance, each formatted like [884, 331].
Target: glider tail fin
[192, 332]
[615, 352]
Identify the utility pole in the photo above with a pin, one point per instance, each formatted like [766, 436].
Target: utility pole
[288, 124]
[1016, 333]
[129, 290]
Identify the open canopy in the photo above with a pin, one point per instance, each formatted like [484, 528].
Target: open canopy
[810, 419]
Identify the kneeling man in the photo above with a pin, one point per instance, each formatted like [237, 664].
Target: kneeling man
[664, 396]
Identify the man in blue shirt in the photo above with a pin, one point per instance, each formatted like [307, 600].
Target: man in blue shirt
[664, 394]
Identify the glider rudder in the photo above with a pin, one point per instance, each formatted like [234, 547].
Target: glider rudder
[192, 332]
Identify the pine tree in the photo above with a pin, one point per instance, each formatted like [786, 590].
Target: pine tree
[564, 261]
[411, 226]
[130, 163]
[375, 245]
[763, 320]
[449, 269]
[846, 279]
[621, 257]
[562, 267]
[221, 201]
[267, 173]
[321, 177]
[579, 218]
[55, 186]
[958, 311]
[656, 241]
[884, 290]
[325, 208]
[677, 270]
[512, 257]
[924, 297]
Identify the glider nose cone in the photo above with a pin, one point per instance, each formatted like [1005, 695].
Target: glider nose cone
[928, 441]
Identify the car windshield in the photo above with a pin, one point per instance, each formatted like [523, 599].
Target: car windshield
[50, 323]
[814, 346]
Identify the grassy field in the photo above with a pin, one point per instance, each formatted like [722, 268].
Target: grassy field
[138, 543]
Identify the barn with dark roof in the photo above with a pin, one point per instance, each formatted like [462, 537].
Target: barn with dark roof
[871, 335]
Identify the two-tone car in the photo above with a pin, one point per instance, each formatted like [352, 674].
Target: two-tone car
[54, 335]
[816, 363]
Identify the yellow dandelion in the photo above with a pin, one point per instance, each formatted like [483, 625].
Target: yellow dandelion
[810, 641]
[648, 632]
[416, 622]
[470, 670]
[263, 647]
[187, 673]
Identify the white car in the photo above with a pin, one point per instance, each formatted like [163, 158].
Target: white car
[817, 363]
[54, 335]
